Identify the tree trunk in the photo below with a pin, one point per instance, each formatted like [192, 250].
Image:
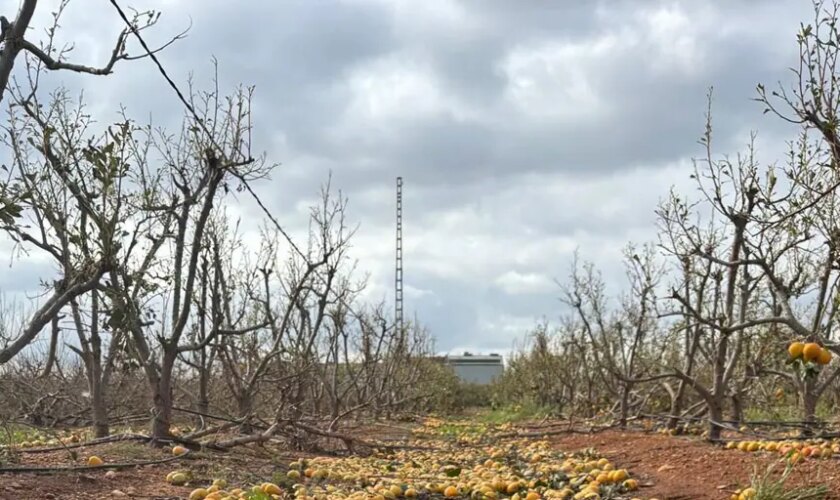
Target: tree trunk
[98, 402]
[203, 398]
[245, 404]
[677, 406]
[625, 403]
[162, 397]
[715, 418]
[737, 409]
[809, 407]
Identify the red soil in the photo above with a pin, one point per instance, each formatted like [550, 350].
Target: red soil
[688, 468]
[675, 468]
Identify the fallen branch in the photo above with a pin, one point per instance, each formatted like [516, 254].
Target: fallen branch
[88, 468]
[94, 442]
[212, 430]
[253, 438]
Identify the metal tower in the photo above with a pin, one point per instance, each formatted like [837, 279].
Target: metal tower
[398, 275]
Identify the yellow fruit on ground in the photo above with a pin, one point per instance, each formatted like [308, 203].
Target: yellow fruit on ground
[631, 484]
[178, 478]
[512, 487]
[221, 483]
[270, 489]
[94, 460]
[293, 474]
[795, 349]
[532, 496]
[179, 450]
[753, 446]
[619, 475]
[410, 493]
[825, 357]
[450, 492]
[811, 351]
[198, 494]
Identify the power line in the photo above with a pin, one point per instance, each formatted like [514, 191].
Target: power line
[163, 72]
[198, 119]
[207, 131]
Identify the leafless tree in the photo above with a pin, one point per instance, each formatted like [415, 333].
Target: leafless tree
[49, 55]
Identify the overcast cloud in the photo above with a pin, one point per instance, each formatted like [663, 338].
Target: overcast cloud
[523, 129]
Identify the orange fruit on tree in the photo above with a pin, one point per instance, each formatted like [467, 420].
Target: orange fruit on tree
[795, 349]
[811, 351]
[825, 357]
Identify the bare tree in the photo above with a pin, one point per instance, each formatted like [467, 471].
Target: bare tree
[48, 55]
[153, 292]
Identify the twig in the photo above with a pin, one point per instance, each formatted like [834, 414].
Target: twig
[82, 468]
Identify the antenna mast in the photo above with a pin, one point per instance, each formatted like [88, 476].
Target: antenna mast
[398, 275]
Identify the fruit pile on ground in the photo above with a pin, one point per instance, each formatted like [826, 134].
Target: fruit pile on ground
[793, 450]
[443, 460]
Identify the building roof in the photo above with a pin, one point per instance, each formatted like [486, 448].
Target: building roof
[471, 359]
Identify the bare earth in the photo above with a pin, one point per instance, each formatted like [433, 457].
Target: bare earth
[688, 468]
[667, 467]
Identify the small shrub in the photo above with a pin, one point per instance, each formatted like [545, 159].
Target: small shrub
[766, 487]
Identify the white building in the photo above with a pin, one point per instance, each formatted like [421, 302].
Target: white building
[475, 369]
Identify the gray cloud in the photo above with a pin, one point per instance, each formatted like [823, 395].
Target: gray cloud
[524, 130]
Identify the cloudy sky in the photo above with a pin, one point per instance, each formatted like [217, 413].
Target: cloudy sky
[524, 130]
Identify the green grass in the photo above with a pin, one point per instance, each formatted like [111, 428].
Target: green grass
[513, 414]
[769, 487]
[785, 412]
[14, 434]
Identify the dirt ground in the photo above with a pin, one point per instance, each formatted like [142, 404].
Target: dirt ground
[669, 468]
[682, 468]
[250, 465]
